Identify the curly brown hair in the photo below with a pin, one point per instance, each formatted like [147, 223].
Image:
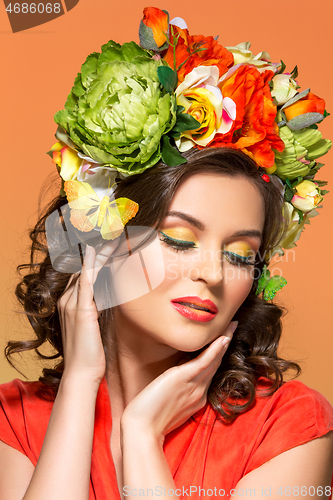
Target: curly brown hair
[252, 352]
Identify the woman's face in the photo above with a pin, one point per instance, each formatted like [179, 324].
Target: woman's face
[209, 239]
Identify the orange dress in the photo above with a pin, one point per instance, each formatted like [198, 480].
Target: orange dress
[203, 453]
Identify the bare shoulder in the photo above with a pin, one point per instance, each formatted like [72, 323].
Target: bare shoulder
[308, 466]
[16, 471]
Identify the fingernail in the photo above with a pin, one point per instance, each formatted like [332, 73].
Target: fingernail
[234, 325]
[226, 342]
[88, 249]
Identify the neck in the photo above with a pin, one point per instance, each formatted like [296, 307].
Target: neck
[136, 360]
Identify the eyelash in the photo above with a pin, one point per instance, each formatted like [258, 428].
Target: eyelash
[177, 245]
[184, 246]
[238, 260]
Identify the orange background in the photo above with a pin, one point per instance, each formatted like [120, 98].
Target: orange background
[38, 67]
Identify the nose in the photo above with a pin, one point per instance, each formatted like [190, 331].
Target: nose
[209, 268]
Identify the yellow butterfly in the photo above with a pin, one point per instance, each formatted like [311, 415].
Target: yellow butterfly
[89, 211]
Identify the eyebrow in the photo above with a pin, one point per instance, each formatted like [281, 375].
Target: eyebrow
[196, 223]
[188, 218]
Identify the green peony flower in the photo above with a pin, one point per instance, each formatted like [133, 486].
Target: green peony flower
[302, 148]
[117, 111]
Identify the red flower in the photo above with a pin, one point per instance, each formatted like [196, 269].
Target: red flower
[255, 129]
[154, 28]
[214, 53]
[309, 104]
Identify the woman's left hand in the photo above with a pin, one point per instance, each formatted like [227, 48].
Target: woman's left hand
[173, 397]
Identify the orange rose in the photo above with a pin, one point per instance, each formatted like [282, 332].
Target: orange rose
[213, 55]
[255, 129]
[309, 104]
[154, 28]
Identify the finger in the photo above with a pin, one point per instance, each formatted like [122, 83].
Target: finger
[64, 297]
[208, 373]
[204, 360]
[66, 301]
[73, 295]
[85, 283]
[70, 285]
[103, 256]
[230, 330]
[70, 305]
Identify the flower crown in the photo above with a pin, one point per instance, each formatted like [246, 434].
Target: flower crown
[132, 104]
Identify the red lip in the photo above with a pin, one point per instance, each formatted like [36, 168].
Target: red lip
[184, 306]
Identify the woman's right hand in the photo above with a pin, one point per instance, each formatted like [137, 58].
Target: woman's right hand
[83, 350]
[173, 397]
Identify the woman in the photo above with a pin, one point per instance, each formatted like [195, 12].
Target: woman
[152, 360]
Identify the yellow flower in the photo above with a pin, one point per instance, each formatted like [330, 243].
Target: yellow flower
[284, 88]
[307, 196]
[294, 229]
[69, 163]
[202, 99]
[242, 55]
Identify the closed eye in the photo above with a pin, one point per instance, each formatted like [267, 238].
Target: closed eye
[237, 260]
[177, 244]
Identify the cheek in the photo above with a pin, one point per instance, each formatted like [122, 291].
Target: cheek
[138, 274]
[177, 265]
[238, 282]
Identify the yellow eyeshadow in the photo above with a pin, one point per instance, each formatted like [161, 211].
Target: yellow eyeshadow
[180, 233]
[240, 248]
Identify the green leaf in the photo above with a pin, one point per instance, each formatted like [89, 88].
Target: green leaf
[71, 102]
[314, 170]
[296, 98]
[281, 68]
[78, 89]
[298, 181]
[111, 43]
[323, 192]
[289, 193]
[288, 183]
[321, 183]
[294, 73]
[314, 126]
[301, 215]
[198, 50]
[113, 51]
[61, 118]
[303, 121]
[274, 285]
[269, 285]
[168, 78]
[88, 68]
[184, 122]
[170, 155]
[263, 280]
